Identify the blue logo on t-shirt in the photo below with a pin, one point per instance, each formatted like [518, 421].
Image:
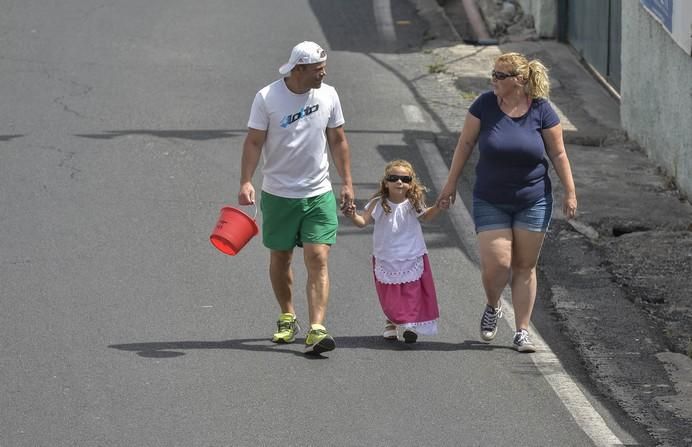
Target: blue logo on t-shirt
[302, 113]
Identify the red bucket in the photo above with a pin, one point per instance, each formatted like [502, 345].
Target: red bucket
[233, 230]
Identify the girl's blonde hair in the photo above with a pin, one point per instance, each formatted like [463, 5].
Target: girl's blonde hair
[415, 193]
[534, 72]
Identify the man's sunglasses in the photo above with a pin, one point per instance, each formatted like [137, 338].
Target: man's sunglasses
[501, 76]
[394, 178]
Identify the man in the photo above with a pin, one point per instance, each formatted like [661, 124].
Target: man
[294, 119]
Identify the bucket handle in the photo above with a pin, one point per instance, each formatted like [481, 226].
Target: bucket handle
[254, 204]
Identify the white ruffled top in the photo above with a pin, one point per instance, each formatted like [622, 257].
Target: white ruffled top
[398, 244]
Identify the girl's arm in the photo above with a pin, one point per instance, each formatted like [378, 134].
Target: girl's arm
[432, 212]
[360, 220]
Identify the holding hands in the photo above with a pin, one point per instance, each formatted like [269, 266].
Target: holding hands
[349, 209]
[346, 197]
[447, 196]
[443, 203]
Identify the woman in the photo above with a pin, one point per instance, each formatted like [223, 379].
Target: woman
[515, 127]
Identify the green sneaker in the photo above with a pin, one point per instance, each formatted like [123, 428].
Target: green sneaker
[288, 329]
[318, 340]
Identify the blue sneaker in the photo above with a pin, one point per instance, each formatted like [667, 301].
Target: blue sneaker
[489, 322]
[522, 343]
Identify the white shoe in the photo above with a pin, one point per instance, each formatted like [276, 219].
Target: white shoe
[389, 331]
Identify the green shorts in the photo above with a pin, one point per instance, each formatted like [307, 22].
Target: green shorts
[290, 222]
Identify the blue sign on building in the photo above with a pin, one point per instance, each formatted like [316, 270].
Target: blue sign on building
[661, 9]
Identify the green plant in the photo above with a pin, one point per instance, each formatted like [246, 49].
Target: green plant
[437, 67]
[468, 96]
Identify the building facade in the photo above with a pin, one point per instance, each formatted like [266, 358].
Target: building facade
[641, 50]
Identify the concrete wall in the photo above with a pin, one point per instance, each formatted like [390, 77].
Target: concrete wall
[656, 90]
[544, 14]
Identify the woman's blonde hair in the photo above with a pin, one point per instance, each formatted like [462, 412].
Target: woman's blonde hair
[534, 72]
[415, 193]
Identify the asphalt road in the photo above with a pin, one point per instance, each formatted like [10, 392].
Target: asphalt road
[120, 135]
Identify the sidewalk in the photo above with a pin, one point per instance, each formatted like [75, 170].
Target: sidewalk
[618, 276]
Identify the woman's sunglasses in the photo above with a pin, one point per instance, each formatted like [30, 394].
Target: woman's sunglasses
[501, 76]
[394, 178]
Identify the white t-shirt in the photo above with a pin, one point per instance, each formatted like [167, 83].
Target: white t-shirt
[295, 159]
[397, 236]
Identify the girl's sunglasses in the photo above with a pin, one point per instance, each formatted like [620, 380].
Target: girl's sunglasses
[394, 178]
[501, 76]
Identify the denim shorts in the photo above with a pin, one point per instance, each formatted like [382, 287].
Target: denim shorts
[532, 217]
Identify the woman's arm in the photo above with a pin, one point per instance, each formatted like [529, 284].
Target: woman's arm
[555, 148]
[462, 152]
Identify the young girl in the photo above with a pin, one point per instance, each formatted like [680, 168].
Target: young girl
[403, 279]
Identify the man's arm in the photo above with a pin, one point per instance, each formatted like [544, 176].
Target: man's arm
[252, 149]
[341, 154]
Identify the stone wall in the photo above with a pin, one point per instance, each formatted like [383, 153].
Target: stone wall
[656, 91]
[544, 13]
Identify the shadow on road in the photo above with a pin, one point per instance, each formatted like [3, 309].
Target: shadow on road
[170, 349]
[10, 137]
[195, 134]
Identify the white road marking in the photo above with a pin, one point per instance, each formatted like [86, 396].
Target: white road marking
[412, 113]
[545, 360]
[383, 20]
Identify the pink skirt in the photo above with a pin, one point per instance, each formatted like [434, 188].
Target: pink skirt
[411, 304]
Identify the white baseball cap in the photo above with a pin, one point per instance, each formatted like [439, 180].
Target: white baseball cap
[304, 53]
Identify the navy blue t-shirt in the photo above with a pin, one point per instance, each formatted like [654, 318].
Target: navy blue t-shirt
[512, 165]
